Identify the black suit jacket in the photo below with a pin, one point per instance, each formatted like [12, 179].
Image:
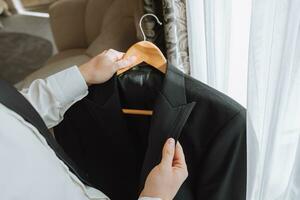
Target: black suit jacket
[118, 151]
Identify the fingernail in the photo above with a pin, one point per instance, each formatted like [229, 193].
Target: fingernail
[171, 141]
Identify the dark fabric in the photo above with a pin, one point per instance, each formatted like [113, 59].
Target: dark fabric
[118, 151]
[15, 101]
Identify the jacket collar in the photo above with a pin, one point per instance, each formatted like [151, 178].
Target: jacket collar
[171, 112]
[174, 87]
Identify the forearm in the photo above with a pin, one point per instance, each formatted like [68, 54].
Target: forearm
[52, 96]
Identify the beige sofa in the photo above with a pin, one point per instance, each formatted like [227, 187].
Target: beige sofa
[84, 28]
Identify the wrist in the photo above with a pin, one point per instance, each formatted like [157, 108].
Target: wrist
[85, 72]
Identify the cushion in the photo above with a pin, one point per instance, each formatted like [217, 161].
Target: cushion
[52, 69]
[65, 54]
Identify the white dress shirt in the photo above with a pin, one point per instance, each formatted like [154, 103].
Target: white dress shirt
[29, 168]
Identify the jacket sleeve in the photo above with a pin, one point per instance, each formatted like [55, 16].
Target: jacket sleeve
[54, 95]
[223, 169]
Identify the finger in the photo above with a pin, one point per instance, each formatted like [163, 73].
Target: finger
[168, 152]
[126, 62]
[179, 158]
[114, 55]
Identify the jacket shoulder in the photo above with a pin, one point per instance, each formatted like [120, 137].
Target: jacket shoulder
[201, 93]
[214, 112]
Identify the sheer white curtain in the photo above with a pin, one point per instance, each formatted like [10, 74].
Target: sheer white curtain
[219, 47]
[274, 101]
[218, 31]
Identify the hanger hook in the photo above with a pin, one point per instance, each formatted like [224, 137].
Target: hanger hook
[145, 15]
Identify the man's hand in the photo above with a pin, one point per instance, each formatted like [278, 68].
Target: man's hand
[166, 178]
[102, 67]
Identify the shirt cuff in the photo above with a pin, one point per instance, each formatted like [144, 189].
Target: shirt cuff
[149, 198]
[69, 85]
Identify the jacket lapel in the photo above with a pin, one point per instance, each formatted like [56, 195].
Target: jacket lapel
[171, 112]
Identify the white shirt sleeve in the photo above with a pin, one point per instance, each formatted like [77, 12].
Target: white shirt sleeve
[53, 96]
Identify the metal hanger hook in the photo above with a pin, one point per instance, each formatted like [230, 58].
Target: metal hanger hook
[141, 20]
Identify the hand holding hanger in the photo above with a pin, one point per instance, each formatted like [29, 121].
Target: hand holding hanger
[102, 67]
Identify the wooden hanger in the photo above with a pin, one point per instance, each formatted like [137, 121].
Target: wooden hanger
[149, 53]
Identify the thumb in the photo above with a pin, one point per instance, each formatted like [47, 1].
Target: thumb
[168, 152]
